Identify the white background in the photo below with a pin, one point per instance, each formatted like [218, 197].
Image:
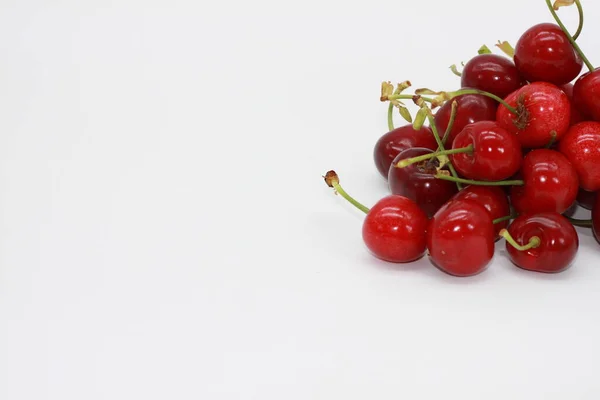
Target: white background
[165, 232]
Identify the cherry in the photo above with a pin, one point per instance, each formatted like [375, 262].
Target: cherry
[394, 228]
[586, 199]
[586, 93]
[543, 114]
[544, 53]
[581, 145]
[550, 183]
[543, 242]
[418, 183]
[576, 115]
[394, 142]
[491, 73]
[596, 219]
[470, 108]
[496, 153]
[494, 200]
[460, 238]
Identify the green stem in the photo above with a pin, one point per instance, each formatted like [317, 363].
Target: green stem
[436, 135]
[408, 161]
[580, 27]
[507, 218]
[571, 39]
[490, 95]
[552, 139]
[451, 122]
[390, 117]
[534, 241]
[408, 97]
[584, 223]
[479, 183]
[332, 180]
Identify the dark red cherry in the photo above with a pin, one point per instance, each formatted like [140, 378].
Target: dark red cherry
[581, 145]
[394, 230]
[543, 111]
[586, 199]
[491, 73]
[460, 238]
[470, 108]
[418, 183]
[544, 53]
[394, 142]
[576, 115]
[552, 239]
[596, 219]
[586, 95]
[550, 183]
[496, 153]
[493, 198]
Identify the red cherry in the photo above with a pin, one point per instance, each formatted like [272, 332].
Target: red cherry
[546, 242]
[596, 219]
[544, 53]
[543, 110]
[586, 93]
[394, 142]
[470, 108]
[576, 115]
[550, 183]
[586, 199]
[491, 73]
[493, 198]
[496, 153]
[581, 145]
[460, 238]
[394, 230]
[418, 183]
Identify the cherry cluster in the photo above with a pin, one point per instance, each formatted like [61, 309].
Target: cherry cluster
[508, 156]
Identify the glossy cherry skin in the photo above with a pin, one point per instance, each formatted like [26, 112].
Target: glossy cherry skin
[460, 238]
[586, 95]
[394, 230]
[543, 53]
[581, 145]
[542, 108]
[576, 115]
[586, 199]
[550, 183]
[493, 198]
[471, 108]
[418, 182]
[394, 142]
[558, 247]
[491, 73]
[496, 152]
[596, 219]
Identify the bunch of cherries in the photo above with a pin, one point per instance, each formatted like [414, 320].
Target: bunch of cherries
[508, 156]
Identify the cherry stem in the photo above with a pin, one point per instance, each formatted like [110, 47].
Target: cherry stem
[587, 62]
[450, 122]
[436, 135]
[479, 183]
[580, 27]
[552, 139]
[483, 93]
[507, 218]
[332, 180]
[390, 117]
[584, 223]
[409, 161]
[454, 70]
[534, 241]
[408, 97]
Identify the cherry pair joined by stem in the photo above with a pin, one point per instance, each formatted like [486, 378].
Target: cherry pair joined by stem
[394, 142]
[540, 114]
[491, 73]
[460, 238]
[393, 229]
[541, 242]
[550, 183]
[418, 182]
[470, 108]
